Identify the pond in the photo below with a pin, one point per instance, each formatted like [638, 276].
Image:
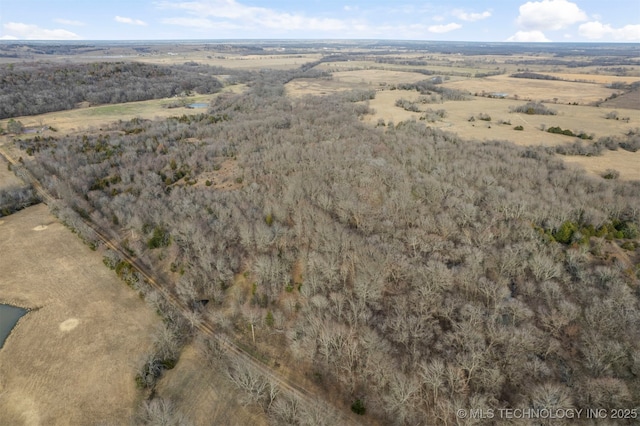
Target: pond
[198, 105]
[9, 316]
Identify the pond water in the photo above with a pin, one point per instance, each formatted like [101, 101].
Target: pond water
[9, 316]
[199, 105]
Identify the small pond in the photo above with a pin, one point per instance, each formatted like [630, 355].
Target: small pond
[9, 316]
[198, 105]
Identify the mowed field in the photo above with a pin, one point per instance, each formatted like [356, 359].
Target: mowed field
[73, 358]
[96, 116]
[563, 92]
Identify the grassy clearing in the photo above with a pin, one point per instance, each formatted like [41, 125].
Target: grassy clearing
[72, 359]
[7, 178]
[587, 119]
[564, 92]
[349, 80]
[594, 78]
[205, 395]
[83, 118]
[627, 163]
[578, 118]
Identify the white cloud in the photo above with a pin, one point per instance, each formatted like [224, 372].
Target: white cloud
[470, 17]
[18, 30]
[252, 17]
[549, 15]
[529, 37]
[596, 30]
[130, 21]
[440, 29]
[70, 22]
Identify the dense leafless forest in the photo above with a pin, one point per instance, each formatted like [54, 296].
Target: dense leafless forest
[36, 88]
[409, 272]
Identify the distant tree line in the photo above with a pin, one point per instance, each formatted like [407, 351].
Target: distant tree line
[36, 88]
[534, 76]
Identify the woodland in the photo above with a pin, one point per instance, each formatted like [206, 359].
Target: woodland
[407, 272]
[39, 87]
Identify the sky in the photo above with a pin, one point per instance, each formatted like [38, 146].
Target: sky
[456, 20]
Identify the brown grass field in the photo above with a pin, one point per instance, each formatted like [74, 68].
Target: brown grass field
[627, 163]
[96, 116]
[578, 118]
[205, 396]
[72, 359]
[7, 178]
[538, 90]
[233, 61]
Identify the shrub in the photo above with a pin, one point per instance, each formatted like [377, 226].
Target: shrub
[518, 128]
[160, 238]
[534, 108]
[358, 407]
[611, 174]
[484, 117]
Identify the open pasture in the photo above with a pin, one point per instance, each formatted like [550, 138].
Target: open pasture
[349, 80]
[96, 116]
[233, 61]
[590, 120]
[627, 163]
[72, 359]
[564, 92]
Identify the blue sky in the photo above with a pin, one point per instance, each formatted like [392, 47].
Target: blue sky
[479, 20]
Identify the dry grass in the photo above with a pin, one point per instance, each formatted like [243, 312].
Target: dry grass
[590, 120]
[223, 179]
[593, 78]
[204, 395]
[540, 90]
[7, 178]
[72, 359]
[350, 80]
[234, 61]
[627, 163]
[97, 116]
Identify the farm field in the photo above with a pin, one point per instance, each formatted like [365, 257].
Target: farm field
[627, 163]
[96, 116]
[591, 120]
[562, 92]
[72, 359]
